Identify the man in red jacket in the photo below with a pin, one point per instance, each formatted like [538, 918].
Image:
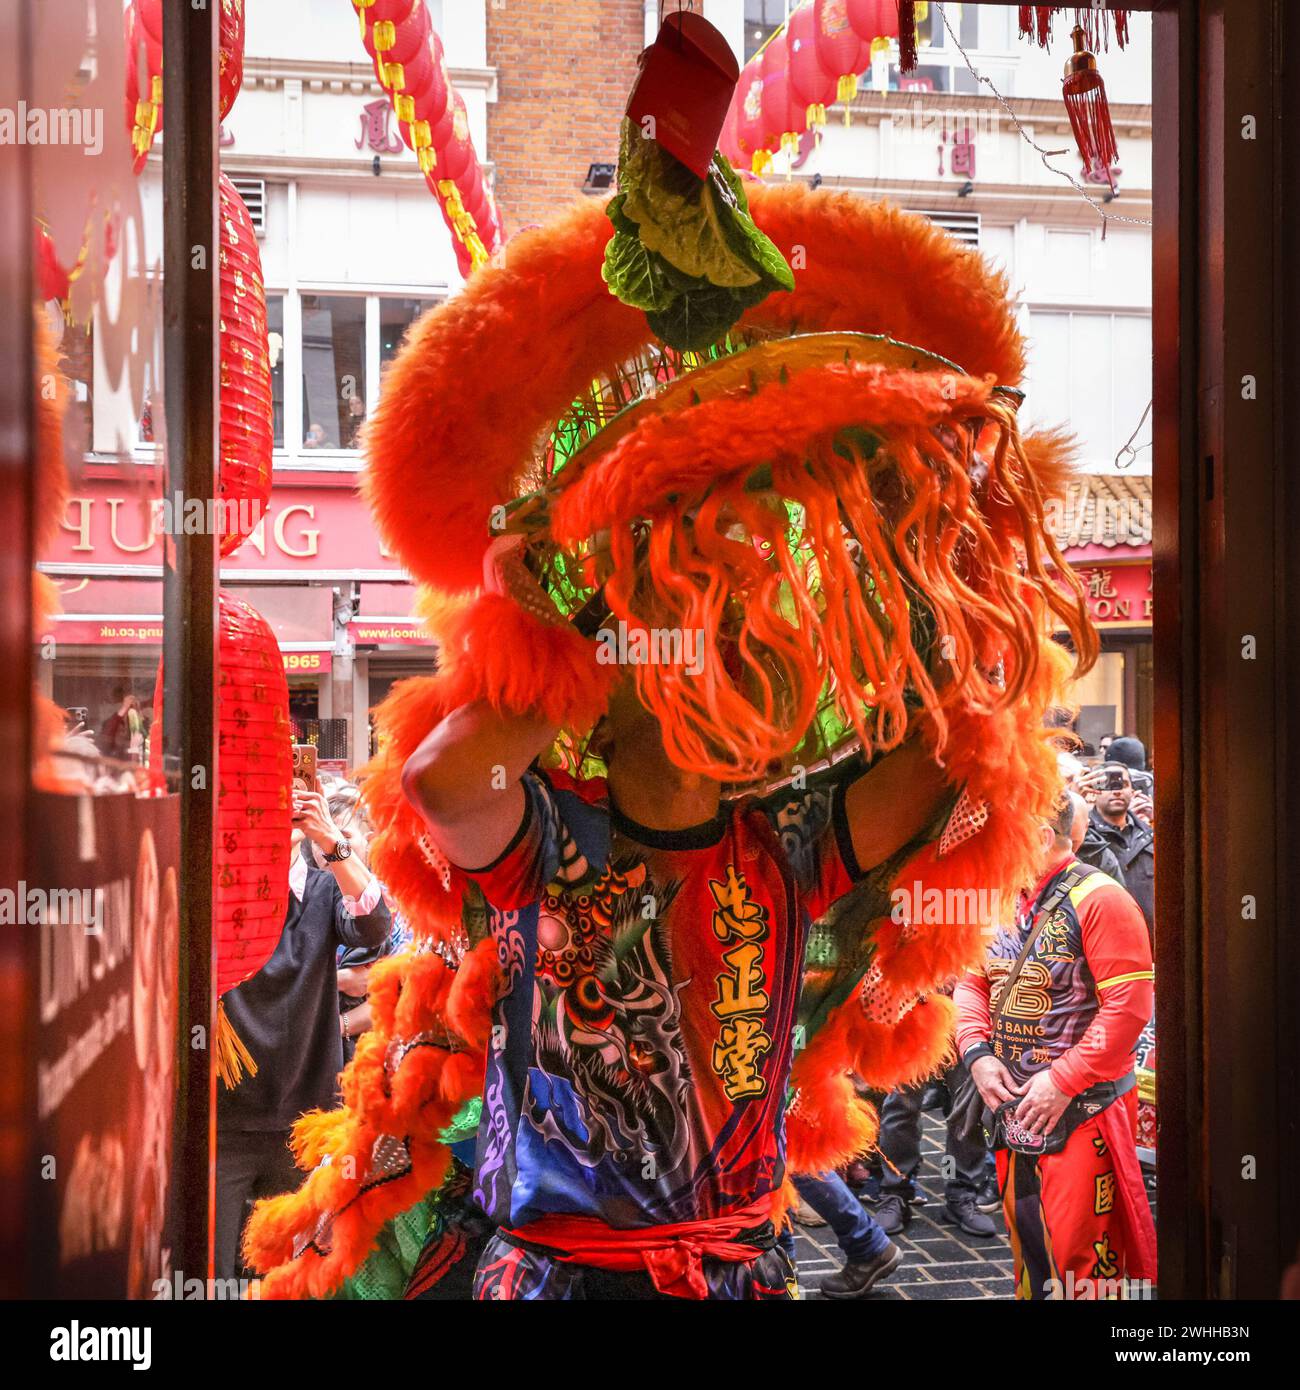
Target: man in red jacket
[1054, 1055]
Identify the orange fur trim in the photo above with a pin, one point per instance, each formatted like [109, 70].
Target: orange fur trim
[413, 993]
[482, 376]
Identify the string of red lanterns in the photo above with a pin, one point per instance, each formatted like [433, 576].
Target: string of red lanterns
[411, 66]
[815, 59]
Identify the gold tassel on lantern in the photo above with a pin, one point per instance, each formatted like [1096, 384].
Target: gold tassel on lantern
[233, 1058]
[845, 90]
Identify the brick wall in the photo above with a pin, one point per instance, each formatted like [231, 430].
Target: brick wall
[564, 71]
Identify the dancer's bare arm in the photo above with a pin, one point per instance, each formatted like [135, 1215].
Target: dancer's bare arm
[893, 801]
[464, 779]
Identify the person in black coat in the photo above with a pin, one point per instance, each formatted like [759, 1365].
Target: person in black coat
[1113, 825]
[287, 1015]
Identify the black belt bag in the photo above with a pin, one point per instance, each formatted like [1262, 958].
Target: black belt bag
[1005, 1132]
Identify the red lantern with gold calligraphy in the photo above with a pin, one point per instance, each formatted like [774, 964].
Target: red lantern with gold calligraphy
[244, 476]
[840, 51]
[254, 807]
[254, 801]
[230, 58]
[143, 26]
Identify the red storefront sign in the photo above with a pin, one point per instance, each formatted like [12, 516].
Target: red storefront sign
[312, 529]
[306, 663]
[1118, 595]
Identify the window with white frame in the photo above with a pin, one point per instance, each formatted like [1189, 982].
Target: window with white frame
[345, 341]
[1091, 371]
[333, 370]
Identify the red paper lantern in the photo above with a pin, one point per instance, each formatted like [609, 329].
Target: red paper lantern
[254, 791]
[244, 475]
[841, 53]
[254, 801]
[873, 19]
[809, 84]
[397, 42]
[142, 21]
[456, 154]
[230, 58]
[749, 117]
[781, 124]
[727, 136]
[371, 12]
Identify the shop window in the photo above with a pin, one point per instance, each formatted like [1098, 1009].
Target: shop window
[395, 317]
[333, 370]
[275, 346]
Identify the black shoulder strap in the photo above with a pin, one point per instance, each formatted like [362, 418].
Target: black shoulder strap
[1069, 880]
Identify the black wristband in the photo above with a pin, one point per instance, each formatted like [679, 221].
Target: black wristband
[976, 1051]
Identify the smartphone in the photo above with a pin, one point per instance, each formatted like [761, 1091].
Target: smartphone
[1116, 781]
[304, 767]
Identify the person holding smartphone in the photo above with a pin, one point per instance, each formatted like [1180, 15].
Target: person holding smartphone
[288, 1014]
[1130, 839]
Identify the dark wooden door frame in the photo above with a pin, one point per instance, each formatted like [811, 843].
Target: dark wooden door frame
[191, 378]
[1226, 128]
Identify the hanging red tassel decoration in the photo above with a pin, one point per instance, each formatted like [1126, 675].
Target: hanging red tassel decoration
[907, 35]
[1088, 109]
[1036, 24]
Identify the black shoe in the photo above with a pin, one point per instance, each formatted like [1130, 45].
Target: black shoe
[857, 1280]
[892, 1213]
[988, 1198]
[961, 1210]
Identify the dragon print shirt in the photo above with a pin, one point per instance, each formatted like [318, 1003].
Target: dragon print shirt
[638, 1061]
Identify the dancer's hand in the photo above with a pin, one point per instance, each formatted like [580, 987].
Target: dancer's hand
[1043, 1104]
[993, 1081]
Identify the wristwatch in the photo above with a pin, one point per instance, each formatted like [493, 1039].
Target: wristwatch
[342, 850]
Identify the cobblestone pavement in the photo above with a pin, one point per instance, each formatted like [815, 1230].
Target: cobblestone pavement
[939, 1260]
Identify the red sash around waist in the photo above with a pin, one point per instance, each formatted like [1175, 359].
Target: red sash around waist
[672, 1255]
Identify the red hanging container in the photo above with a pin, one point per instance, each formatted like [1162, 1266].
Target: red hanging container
[142, 21]
[244, 475]
[457, 153]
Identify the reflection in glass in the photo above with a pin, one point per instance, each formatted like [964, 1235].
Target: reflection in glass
[333, 370]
